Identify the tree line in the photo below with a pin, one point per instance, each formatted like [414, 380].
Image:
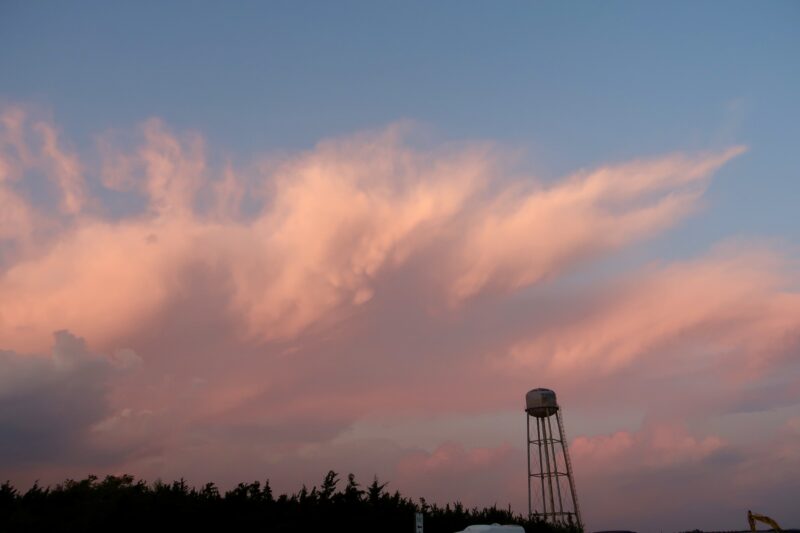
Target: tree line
[122, 503]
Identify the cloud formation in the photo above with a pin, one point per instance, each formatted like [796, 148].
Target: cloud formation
[49, 403]
[335, 220]
[654, 446]
[278, 304]
[736, 309]
[521, 237]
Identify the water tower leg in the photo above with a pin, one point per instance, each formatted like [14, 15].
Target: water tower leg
[555, 464]
[548, 439]
[528, 433]
[539, 438]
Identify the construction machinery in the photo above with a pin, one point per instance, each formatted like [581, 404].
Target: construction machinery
[753, 517]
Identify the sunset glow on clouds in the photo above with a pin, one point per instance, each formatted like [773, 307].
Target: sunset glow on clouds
[239, 318]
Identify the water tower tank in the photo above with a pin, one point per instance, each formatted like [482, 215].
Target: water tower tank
[541, 403]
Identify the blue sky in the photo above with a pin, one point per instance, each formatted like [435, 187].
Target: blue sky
[573, 84]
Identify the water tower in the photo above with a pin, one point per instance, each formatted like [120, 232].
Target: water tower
[551, 486]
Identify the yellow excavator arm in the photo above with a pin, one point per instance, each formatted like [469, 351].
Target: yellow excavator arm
[752, 517]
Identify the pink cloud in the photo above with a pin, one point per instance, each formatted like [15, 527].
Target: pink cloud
[64, 168]
[173, 170]
[449, 458]
[338, 217]
[15, 152]
[735, 307]
[275, 306]
[30, 144]
[666, 475]
[656, 445]
[16, 218]
[521, 237]
[471, 475]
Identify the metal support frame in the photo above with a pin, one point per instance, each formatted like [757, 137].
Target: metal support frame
[547, 499]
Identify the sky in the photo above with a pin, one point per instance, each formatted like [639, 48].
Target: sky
[270, 239]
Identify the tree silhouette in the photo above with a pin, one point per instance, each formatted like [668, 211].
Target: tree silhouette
[121, 503]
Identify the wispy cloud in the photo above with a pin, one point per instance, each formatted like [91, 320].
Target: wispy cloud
[275, 305]
[735, 310]
[336, 219]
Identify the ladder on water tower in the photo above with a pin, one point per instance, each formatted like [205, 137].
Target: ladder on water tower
[568, 462]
